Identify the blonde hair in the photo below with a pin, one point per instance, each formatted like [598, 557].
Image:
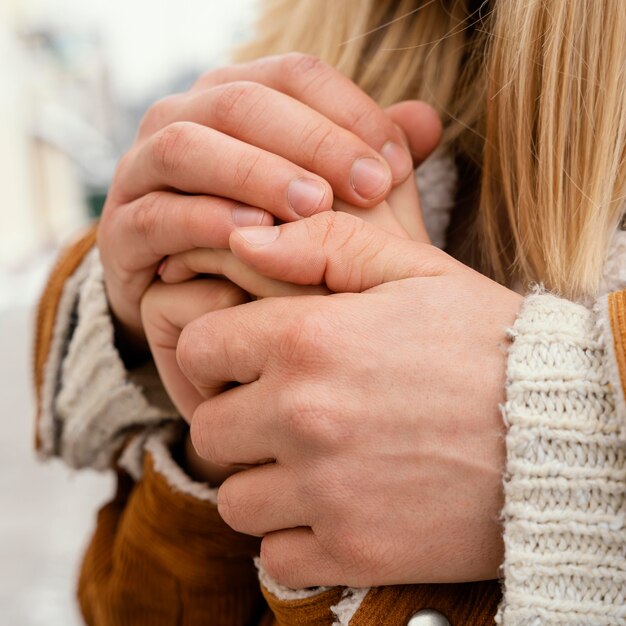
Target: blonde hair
[533, 98]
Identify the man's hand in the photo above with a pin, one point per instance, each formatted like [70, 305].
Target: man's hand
[374, 416]
[167, 308]
[282, 136]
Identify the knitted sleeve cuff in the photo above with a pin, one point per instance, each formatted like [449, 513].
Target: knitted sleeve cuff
[90, 403]
[565, 481]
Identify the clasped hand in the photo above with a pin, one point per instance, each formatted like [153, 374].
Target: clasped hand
[367, 419]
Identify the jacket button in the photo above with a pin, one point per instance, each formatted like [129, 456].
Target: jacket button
[428, 617]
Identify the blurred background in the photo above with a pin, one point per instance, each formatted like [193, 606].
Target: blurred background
[75, 79]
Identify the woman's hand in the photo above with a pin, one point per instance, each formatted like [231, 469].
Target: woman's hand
[379, 407]
[282, 136]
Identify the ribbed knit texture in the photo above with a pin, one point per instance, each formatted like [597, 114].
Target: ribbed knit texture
[98, 402]
[564, 513]
[93, 403]
[565, 482]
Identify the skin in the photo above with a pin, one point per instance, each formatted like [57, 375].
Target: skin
[170, 194]
[174, 301]
[315, 376]
[313, 393]
[337, 498]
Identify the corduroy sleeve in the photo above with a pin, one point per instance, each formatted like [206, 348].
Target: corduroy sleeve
[453, 604]
[565, 482]
[161, 554]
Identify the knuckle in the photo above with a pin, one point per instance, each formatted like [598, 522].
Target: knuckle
[307, 71]
[302, 338]
[346, 226]
[197, 431]
[206, 426]
[278, 568]
[236, 508]
[353, 243]
[146, 214]
[299, 64]
[190, 348]
[244, 168]
[232, 103]
[358, 557]
[315, 420]
[171, 145]
[337, 230]
[227, 505]
[157, 116]
[319, 141]
[312, 423]
[361, 113]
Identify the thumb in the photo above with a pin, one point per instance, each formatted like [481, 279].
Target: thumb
[421, 125]
[338, 249]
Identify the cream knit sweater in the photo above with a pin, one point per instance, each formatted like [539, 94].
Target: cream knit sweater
[565, 481]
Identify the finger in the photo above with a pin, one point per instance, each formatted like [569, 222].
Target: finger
[163, 223]
[399, 215]
[323, 88]
[381, 215]
[336, 249]
[165, 311]
[241, 343]
[405, 205]
[420, 124]
[199, 160]
[181, 267]
[233, 345]
[235, 427]
[134, 238]
[261, 500]
[275, 122]
[295, 558]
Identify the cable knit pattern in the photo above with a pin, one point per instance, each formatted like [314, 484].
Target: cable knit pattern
[565, 482]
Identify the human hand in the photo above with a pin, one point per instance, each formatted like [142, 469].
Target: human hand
[291, 134]
[401, 207]
[377, 406]
[167, 308]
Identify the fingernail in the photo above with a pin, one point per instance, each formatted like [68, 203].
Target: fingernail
[247, 216]
[260, 235]
[161, 267]
[305, 196]
[398, 158]
[369, 177]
